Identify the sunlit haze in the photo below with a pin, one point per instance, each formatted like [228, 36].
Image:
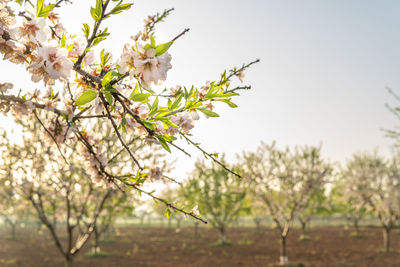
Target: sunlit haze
[322, 76]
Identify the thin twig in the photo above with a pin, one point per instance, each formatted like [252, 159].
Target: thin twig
[52, 137]
[117, 132]
[209, 155]
[179, 35]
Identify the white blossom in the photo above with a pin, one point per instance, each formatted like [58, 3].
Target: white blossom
[183, 120]
[55, 62]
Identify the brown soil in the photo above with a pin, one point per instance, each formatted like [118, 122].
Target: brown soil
[157, 246]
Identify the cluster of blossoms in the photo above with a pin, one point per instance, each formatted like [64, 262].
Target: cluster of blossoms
[4, 87]
[80, 86]
[41, 43]
[59, 130]
[7, 20]
[144, 65]
[155, 173]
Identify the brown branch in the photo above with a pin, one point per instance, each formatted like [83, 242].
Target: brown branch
[52, 137]
[117, 132]
[209, 155]
[16, 99]
[234, 72]
[168, 204]
[179, 35]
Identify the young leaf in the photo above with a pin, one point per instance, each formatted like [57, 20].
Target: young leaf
[162, 48]
[228, 101]
[177, 102]
[44, 12]
[109, 97]
[140, 98]
[94, 14]
[99, 8]
[152, 41]
[98, 40]
[163, 143]
[167, 213]
[63, 40]
[108, 77]
[208, 112]
[86, 30]
[119, 8]
[39, 7]
[86, 97]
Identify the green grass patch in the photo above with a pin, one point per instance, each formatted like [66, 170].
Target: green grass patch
[355, 234]
[245, 241]
[394, 251]
[8, 262]
[221, 244]
[304, 238]
[100, 254]
[106, 241]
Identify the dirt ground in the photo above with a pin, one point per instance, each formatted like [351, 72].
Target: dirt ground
[158, 246]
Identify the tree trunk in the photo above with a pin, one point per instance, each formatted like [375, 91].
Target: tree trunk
[69, 260]
[258, 223]
[96, 248]
[13, 231]
[386, 238]
[55, 222]
[222, 234]
[39, 226]
[283, 258]
[357, 227]
[196, 229]
[169, 223]
[303, 228]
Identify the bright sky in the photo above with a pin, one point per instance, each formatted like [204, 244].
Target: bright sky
[322, 77]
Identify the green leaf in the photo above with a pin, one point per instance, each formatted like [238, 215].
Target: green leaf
[152, 41]
[98, 40]
[154, 107]
[94, 14]
[162, 48]
[168, 213]
[108, 77]
[208, 112]
[148, 124]
[119, 8]
[86, 30]
[109, 97]
[176, 102]
[123, 124]
[103, 33]
[63, 40]
[140, 98]
[86, 97]
[228, 101]
[104, 57]
[44, 12]
[163, 143]
[39, 7]
[230, 94]
[134, 92]
[99, 8]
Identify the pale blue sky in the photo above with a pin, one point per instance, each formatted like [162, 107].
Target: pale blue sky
[322, 77]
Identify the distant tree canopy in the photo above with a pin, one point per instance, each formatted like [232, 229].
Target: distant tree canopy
[218, 193]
